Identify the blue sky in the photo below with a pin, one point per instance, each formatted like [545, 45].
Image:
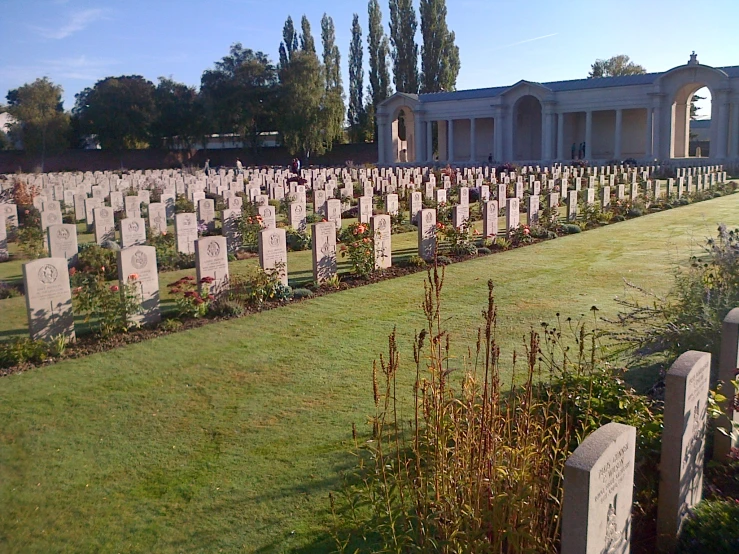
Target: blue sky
[77, 42]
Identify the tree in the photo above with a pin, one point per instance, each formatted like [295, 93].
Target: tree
[304, 116]
[180, 115]
[240, 94]
[616, 66]
[356, 115]
[120, 111]
[289, 42]
[403, 26]
[378, 48]
[440, 61]
[332, 73]
[41, 124]
[307, 44]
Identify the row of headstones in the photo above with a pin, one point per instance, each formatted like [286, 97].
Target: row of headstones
[599, 475]
[48, 291]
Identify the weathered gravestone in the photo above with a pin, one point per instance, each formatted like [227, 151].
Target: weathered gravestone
[460, 215]
[464, 196]
[133, 231]
[441, 196]
[269, 217]
[532, 209]
[572, 205]
[104, 224]
[158, 218]
[133, 206]
[48, 299]
[364, 209]
[186, 232]
[427, 234]
[168, 199]
[391, 204]
[10, 211]
[61, 241]
[416, 205]
[598, 490]
[230, 228]
[605, 197]
[333, 209]
[324, 251]
[50, 218]
[207, 214]
[489, 219]
[683, 442]
[211, 261]
[137, 267]
[273, 251]
[727, 370]
[235, 203]
[512, 215]
[381, 226]
[319, 202]
[296, 216]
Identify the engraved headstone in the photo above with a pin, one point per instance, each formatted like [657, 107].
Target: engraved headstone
[137, 267]
[364, 209]
[207, 214]
[489, 218]
[10, 211]
[415, 205]
[427, 234]
[273, 251]
[4, 254]
[727, 365]
[211, 261]
[168, 199]
[381, 226]
[269, 217]
[683, 443]
[391, 204]
[598, 490]
[460, 215]
[333, 212]
[230, 228]
[158, 218]
[324, 251]
[104, 224]
[186, 232]
[50, 218]
[532, 209]
[133, 231]
[296, 216]
[572, 205]
[512, 215]
[48, 299]
[61, 241]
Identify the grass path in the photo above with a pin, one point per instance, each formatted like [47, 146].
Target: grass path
[229, 437]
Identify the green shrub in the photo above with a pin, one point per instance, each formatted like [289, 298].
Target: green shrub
[713, 527]
[300, 293]
[443, 260]
[22, 350]
[297, 240]
[182, 205]
[97, 261]
[30, 236]
[416, 261]
[483, 250]
[571, 228]
[171, 325]
[8, 291]
[106, 307]
[225, 307]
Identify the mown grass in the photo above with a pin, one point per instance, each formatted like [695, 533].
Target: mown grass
[229, 437]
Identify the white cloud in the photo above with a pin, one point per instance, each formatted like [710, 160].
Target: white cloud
[78, 21]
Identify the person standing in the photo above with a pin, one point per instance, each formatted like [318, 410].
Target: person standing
[239, 167]
[206, 168]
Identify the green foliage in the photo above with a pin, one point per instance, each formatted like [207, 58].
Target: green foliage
[171, 325]
[358, 246]
[378, 50]
[8, 291]
[416, 261]
[458, 240]
[225, 307]
[119, 110]
[690, 317]
[30, 235]
[23, 350]
[95, 260]
[356, 114]
[257, 287]
[190, 301]
[483, 250]
[616, 66]
[42, 125]
[182, 205]
[180, 119]
[571, 229]
[711, 527]
[107, 306]
[297, 240]
[168, 258]
[249, 227]
[439, 54]
[300, 293]
[403, 26]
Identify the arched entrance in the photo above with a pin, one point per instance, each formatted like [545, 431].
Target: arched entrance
[403, 136]
[682, 102]
[527, 128]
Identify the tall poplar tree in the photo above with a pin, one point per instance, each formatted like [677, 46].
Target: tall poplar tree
[356, 114]
[377, 46]
[289, 42]
[334, 104]
[307, 44]
[403, 26]
[439, 54]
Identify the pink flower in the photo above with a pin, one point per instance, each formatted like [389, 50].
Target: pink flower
[114, 288]
[133, 277]
[102, 268]
[72, 270]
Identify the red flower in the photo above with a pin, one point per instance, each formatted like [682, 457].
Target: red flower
[114, 288]
[198, 301]
[72, 270]
[189, 294]
[211, 297]
[207, 280]
[189, 278]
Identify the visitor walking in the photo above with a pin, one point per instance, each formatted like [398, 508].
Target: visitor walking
[206, 168]
[239, 167]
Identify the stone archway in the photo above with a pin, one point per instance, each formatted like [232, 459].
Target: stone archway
[527, 128]
[403, 136]
[680, 118]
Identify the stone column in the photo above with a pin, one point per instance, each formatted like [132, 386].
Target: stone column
[617, 138]
[473, 141]
[588, 134]
[381, 139]
[546, 132]
[498, 128]
[429, 141]
[723, 124]
[734, 152]
[418, 143]
[656, 151]
[450, 138]
[649, 152]
[560, 136]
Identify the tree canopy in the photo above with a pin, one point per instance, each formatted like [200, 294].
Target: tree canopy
[439, 54]
[616, 66]
[120, 111]
[41, 124]
[403, 26]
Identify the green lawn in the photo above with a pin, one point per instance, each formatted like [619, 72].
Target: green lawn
[229, 437]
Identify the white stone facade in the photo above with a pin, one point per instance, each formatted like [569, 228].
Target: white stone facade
[645, 117]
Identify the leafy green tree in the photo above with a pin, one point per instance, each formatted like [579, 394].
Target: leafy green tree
[306, 117]
[41, 124]
[307, 44]
[403, 26]
[120, 111]
[439, 54]
[180, 115]
[289, 42]
[239, 94]
[356, 115]
[616, 66]
[378, 50]
[332, 73]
